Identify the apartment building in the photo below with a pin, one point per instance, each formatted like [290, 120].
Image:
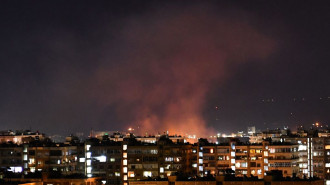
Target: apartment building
[120, 162]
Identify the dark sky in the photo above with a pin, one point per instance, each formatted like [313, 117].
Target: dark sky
[69, 66]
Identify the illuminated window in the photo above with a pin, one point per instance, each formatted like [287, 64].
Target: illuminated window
[88, 147]
[211, 151]
[131, 174]
[88, 155]
[194, 165]
[32, 169]
[265, 153]
[125, 177]
[89, 170]
[161, 169]
[112, 159]
[232, 154]
[200, 168]
[244, 165]
[117, 174]
[89, 162]
[124, 147]
[147, 174]
[31, 161]
[125, 169]
[327, 147]
[102, 158]
[302, 147]
[125, 162]
[168, 159]
[232, 160]
[200, 154]
[272, 150]
[200, 161]
[125, 155]
[259, 172]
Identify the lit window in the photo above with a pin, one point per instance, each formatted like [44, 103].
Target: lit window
[125, 169]
[232, 160]
[124, 147]
[131, 174]
[161, 169]
[102, 159]
[211, 151]
[89, 162]
[302, 147]
[88, 147]
[125, 162]
[89, 170]
[124, 155]
[147, 174]
[265, 153]
[31, 161]
[117, 174]
[32, 169]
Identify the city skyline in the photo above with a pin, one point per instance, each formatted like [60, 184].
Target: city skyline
[185, 66]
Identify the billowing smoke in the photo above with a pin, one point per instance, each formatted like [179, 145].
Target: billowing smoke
[167, 63]
[152, 70]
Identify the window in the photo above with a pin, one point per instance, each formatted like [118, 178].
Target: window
[147, 174]
[131, 174]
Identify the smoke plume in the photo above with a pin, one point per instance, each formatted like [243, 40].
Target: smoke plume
[167, 64]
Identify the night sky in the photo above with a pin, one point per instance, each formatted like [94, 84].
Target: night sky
[196, 67]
